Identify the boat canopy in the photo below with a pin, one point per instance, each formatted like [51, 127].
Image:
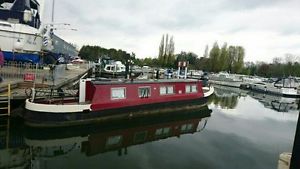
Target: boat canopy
[287, 83]
[21, 11]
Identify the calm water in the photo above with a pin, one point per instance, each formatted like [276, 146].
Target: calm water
[236, 130]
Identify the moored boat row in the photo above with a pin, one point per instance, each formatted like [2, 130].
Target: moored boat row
[287, 87]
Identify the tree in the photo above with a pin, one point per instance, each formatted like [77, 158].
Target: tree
[187, 56]
[231, 58]
[166, 55]
[289, 59]
[239, 59]
[161, 49]
[214, 55]
[205, 55]
[170, 54]
[166, 47]
[93, 53]
[223, 58]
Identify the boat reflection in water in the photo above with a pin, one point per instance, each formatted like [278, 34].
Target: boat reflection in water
[42, 148]
[13, 151]
[227, 97]
[278, 103]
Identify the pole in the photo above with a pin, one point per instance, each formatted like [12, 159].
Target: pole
[35, 75]
[185, 73]
[9, 95]
[295, 160]
[52, 18]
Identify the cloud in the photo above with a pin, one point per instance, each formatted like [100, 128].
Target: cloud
[261, 26]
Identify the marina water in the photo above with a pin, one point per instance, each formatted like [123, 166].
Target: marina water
[236, 129]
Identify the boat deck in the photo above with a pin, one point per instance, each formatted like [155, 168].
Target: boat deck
[140, 81]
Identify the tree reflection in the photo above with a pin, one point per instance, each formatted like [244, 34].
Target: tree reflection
[225, 98]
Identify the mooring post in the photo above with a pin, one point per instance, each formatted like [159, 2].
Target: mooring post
[8, 99]
[295, 160]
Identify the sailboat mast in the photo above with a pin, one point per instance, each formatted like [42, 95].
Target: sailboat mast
[53, 4]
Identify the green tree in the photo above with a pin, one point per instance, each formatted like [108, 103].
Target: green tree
[223, 58]
[214, 55]
[166, 55]
[161, 50]
[93, 53]
[239, 59]
[205, 55]
[231, 58]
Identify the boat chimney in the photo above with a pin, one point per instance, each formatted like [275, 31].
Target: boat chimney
[82, 90]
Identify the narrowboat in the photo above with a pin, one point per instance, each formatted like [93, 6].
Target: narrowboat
[97, 99]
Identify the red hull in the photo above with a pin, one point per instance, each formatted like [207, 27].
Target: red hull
[99, 94]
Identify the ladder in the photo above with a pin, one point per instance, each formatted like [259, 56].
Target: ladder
[5, 102]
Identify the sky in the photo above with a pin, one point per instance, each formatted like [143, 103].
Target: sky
[265, 28]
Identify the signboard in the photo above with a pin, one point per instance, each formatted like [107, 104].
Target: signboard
[183, 64]
[179, 64]
[29, 77]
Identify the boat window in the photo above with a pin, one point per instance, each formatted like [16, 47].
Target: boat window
[144, 92]
[186, 128]
[140, 136]
[5, 25]
[162, 132]
[289, 83]
[163, 90]
[191, 89]
[194, 88]
[166, 90]
[118, 93]
[34, 8]
[113, 141]
[170, 90]
[187, 88]
[6, 4]
[33, 5]
[279, 83]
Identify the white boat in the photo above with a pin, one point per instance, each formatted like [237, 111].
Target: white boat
[249, 80]
[284, 87]
[20, 30]
[23, 36]
[113, 69]
[226, 79]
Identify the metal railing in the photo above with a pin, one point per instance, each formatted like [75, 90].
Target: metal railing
[43, 73]
[18, 70]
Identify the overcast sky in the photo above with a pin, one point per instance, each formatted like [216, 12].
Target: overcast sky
[265, 28]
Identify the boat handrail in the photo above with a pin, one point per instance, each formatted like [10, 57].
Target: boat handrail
[51, 94]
